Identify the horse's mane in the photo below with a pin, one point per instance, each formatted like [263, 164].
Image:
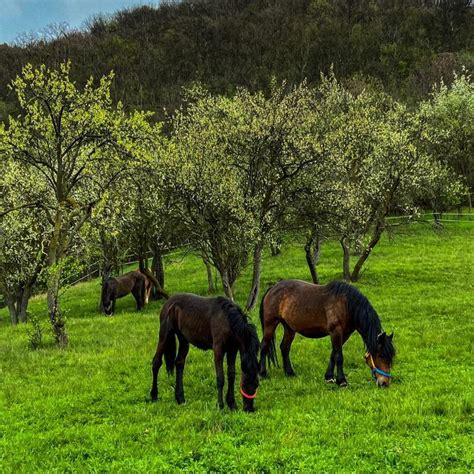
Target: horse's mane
[365, 318]
[242, 326]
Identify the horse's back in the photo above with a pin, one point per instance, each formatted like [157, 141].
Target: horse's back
[195, 317]
[127, 282]
[307, 308]
[296, 292]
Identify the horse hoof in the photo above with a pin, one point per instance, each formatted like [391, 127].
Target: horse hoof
[330, 380]
[290, 374]
[264, 375]
[342, 384]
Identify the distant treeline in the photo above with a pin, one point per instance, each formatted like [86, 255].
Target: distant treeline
[402, 46]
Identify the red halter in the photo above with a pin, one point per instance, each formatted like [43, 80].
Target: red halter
[246, 395]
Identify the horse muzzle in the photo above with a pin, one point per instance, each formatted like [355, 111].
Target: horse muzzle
[382, 383]
[248, 400]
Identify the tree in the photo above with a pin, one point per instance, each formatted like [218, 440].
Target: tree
[78, 142]
[449, 132]
[209, 197]
[382, 168]
[262, 145]
[102, 237]
[23, 238]
[273, 142]
[148, 224]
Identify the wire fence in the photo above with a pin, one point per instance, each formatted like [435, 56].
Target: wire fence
[433, 217]
[94, 268]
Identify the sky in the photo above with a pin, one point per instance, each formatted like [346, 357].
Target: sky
[25, 16]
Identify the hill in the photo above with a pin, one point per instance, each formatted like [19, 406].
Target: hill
[401, 46]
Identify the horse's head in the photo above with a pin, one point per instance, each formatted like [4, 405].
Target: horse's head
[107, 299]
[248, 380]
[108, 308]
[380, 361]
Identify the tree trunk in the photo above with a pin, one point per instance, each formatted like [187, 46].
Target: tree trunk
[275, 247]
[158, 269]
[210, 281]
[23, 304]
[142, 263]
[227, 284]
[58, 322]
[18, 304]
[312, 250]
[346, 259]
[257, 268]
[11, 309]
[365, 254]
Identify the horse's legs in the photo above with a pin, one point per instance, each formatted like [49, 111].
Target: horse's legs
[113, 305]
[155, 367]
[179, 364]
[285, 347]
[142, 294]
[230, 398]
[219, 363]
[329, 375]
[267, 340]
[136, 294]
[338, 340]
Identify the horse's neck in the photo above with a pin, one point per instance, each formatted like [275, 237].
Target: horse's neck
[241, 345]
[368, 329]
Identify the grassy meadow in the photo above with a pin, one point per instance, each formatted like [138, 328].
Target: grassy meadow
[87, 408]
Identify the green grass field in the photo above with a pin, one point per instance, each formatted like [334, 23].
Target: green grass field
[87, 408]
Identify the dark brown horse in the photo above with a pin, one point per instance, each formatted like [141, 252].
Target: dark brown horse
[336, 310]
[118, 287]
[208, 323]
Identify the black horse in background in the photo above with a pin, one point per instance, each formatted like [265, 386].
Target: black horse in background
[118, 287]
[138, 283]
[208, 323]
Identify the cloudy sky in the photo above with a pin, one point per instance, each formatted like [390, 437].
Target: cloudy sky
[24, 16]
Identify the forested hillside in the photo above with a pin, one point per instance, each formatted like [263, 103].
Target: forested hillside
[402, 46]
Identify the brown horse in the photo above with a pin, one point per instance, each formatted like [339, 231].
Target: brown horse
[118, 287]
[138, 282]
[335, 310]
[208, 323]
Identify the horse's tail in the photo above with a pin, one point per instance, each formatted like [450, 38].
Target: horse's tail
[170, 352]
[170, 339]
[152, 277]
[272, 357]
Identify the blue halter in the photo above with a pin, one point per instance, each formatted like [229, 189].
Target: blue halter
[376, 370]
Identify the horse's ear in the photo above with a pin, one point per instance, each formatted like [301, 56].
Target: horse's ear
[381, 337]
[391, 336]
